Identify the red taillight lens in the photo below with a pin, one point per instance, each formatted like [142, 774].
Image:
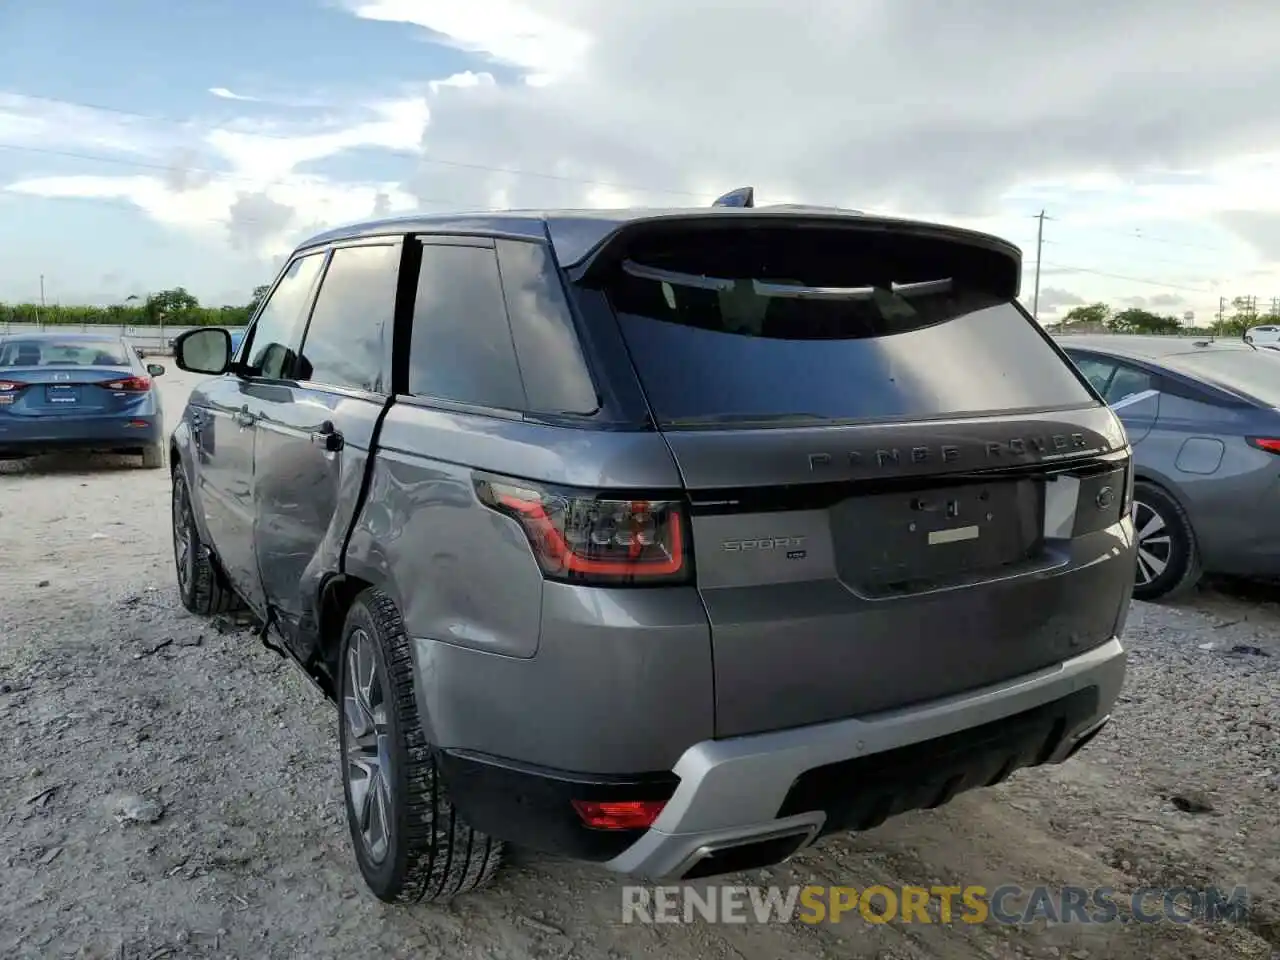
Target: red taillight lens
[583, 537]
[1269, 444]
[619, 815]
[10, 386]
[131, 384]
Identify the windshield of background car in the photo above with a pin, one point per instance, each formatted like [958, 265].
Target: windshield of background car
[1253, 373]
[59, 353]
[770, 324]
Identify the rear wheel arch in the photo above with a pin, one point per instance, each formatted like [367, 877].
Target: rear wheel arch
[338, 592]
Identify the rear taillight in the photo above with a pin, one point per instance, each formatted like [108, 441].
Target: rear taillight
[1269, 444]
[10, 386]
[583, 537]
[130, 384]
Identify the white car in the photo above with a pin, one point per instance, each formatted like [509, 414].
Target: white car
[1268, 334]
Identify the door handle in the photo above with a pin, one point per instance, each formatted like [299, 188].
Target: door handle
[244, 418]
[330, 437]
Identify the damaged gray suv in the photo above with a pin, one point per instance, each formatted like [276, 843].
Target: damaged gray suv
[673, 541]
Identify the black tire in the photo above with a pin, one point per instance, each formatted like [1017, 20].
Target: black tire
[1168, 540]
[428, 853]
[201, 585]
[153, 456]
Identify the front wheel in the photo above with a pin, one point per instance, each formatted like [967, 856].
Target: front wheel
[1168, 562]
[410, 844]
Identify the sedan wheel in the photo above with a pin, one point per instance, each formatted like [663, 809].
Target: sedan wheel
[1155, 544]
[1167, 562]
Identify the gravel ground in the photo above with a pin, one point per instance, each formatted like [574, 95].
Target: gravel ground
[169, 788]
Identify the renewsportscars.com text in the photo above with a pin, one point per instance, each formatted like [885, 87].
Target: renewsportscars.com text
[971, 904]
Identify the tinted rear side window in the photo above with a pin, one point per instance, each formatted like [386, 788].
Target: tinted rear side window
[758, 324]
[461, 348]
[1254, 374]
[552, 366]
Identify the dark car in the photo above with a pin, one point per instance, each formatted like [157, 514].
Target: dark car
[669, 541]
[68, 391]
[1203, 418]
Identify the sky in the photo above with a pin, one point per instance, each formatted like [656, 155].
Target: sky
[166, 144]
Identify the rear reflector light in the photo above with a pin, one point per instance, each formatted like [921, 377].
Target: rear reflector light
[131, 384]
[583, 537]
[619, 815]
[1269, 444]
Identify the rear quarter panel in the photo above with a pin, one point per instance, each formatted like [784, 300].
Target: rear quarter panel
[1197, 451]
[575, 678]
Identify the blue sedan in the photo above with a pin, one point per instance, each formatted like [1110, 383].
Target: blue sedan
[69, 391]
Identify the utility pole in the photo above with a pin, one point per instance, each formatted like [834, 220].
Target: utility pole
[40, 312]
[1035, 303]
[1222, 309]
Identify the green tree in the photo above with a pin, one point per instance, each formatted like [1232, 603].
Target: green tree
[1095, 314]
[1137, 320]
[259, 294]
[175, 306]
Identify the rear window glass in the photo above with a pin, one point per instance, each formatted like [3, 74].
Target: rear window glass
[1255, 374]
[767, 325]
[75, 353]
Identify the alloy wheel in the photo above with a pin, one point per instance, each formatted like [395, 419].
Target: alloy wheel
[1155, 542]
[368, 745]
[183, 524]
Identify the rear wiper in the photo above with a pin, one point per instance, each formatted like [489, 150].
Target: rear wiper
[748, 419]
[765, 288]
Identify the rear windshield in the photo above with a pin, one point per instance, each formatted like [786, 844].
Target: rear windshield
[1254, 374]
[775, 325]
[61, 353]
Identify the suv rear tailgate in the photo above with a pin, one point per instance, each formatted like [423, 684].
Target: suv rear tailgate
[896, 479]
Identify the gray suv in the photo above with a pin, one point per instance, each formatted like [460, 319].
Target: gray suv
[672, 541]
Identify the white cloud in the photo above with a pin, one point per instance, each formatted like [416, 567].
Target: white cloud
[1114, 116]
[249, 187]
[510, 32]
[223, 93]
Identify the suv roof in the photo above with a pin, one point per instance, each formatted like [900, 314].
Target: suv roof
[574, 234]
[1139, 347]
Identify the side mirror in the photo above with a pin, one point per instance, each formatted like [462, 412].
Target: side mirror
[206, 350]
[155, 369]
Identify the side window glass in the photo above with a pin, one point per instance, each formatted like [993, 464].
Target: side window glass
[1128, 381]
[351, 319]
[273, 340]
[461, 348]
[1097, 372]
[552, 366]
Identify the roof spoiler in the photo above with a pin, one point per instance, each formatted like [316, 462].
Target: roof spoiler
[741, 197]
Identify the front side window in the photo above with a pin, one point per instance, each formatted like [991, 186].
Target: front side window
[461, 348]
[274, 338]
[352, 318]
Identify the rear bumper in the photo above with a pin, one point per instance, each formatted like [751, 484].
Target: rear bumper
[752, 801]
[31, 436]
[851, 774]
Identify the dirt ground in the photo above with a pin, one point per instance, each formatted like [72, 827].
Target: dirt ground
[169, 788]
